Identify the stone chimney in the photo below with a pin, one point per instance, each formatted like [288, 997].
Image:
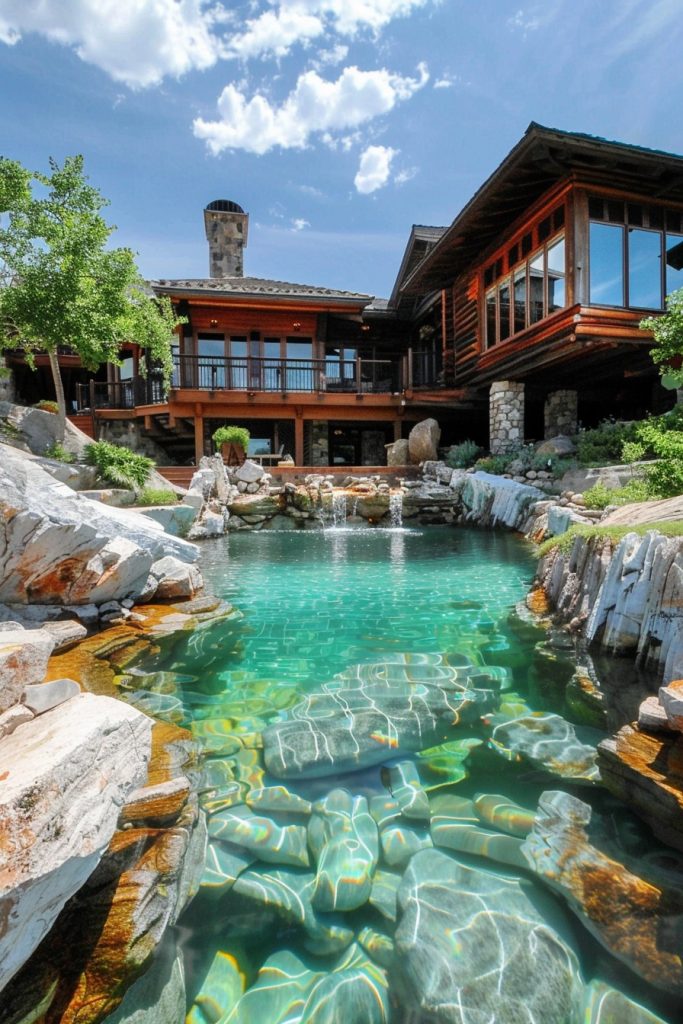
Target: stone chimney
[226, 226]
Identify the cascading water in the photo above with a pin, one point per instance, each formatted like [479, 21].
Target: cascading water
[338, 509]
[396, 508]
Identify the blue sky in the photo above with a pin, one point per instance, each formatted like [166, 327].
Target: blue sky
[336, 124]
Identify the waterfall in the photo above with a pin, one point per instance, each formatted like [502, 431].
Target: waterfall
[354, 507]
[396, 508]
[338, 509]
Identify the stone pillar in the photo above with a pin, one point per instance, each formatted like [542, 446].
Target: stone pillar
[506, 416]
[560, 414]
[320, 453]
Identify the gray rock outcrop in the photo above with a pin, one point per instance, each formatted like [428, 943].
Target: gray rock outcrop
[57, 547]
[65, 776]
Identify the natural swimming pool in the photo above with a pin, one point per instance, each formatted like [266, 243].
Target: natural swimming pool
[373, 850]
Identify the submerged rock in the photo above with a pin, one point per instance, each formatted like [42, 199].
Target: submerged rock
[635, 919]
[471, 947]
[345, 843]
[288, 990]
[219, 991]
[261, 836]
[401, 704]
[549, 742]
[605, 1005]
[404, 784]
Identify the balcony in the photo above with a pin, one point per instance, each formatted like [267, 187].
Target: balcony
[249, 374]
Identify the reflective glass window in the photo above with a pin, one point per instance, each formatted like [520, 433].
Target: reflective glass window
[556, 288]
[606, 265]
[491, 317]
[504, 308]
[536, 279]
[644, 269]
[520, 300]
[674, 262]
[210, 368]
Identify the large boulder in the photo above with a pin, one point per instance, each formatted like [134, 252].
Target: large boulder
[38, 430]
[65, 776]
[472, 947]
[423, 441]
[249, 472]
[60, 548]
[398, 453]
[24, 654]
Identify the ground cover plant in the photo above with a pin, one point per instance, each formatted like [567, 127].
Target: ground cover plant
[564, 541]
[119, 466]
[156, 496]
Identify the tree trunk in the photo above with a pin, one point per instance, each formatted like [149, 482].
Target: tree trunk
[59, 393]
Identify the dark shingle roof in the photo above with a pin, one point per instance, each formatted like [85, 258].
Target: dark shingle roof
[256, 286]
[542, 157]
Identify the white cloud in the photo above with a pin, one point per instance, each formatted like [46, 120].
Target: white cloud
[298, 223]
[524, 21]
[407, 174]
[275, 32]
[314, 106]
[374, 168]
[138, 42]
[446, 81]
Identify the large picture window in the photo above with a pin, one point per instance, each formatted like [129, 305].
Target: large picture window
[533, 289]
[636, 254]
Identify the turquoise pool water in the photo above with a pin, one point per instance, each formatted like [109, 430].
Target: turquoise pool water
[300, 907]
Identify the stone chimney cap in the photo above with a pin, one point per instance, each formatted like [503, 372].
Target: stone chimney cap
[224, 206]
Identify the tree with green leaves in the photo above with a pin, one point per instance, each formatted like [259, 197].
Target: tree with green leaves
[60, 286]
[667, 330]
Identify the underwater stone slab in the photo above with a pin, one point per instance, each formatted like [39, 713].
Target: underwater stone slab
[384, 893]
[400, 842]
[277, 798]
[225, 862]
[605, 1005]
[403, 782]
[626, 913]
[504, 814]
[344, 839]
[369, 713]
[377, 945]
[549, 742]
[287, 890]
[219, 991]
[472, 947]
[467, 838]
[261, 836]
[288, 990]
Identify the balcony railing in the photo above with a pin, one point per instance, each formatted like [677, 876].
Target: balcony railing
[249, 373]
[246, 373]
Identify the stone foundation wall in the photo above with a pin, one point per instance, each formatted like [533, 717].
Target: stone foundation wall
[560, 414]
[506, 416]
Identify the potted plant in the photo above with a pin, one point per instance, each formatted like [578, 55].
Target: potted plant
[232, 443]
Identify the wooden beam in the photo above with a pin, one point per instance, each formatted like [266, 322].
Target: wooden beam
[198, 438]
[299, 441]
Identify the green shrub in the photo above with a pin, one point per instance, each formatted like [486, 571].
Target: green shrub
[463, 455]
[117, 465]
[604, 443]
[496, 464]
[232, 435]
[47, 405]
[156, 496]
[58, 451]
[601, 496]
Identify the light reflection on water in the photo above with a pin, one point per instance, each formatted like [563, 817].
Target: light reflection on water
[316, 603]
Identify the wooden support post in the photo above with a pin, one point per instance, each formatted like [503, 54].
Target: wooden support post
[299, 441]
[198, 438]
[397, 430]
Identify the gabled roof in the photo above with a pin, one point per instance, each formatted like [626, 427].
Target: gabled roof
[422, 240]
[257, 287]
[541, 158]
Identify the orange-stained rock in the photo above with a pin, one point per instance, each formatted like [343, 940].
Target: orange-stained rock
[156, 805]
[633, 914]
[537, 601]
[645, 770]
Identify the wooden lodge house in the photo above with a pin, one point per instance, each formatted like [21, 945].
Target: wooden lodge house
[520, 320]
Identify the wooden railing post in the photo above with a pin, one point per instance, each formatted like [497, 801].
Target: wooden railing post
[409, 381]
